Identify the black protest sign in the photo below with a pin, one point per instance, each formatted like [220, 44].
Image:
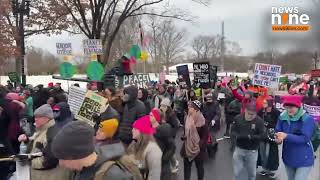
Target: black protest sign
[201, 74]
[183, 74]
[139, 80]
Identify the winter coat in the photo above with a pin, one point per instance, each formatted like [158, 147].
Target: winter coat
[40, 98]
[145, 100]
[211, 111]
[167, 145]
[270, 121]
[158, 98]
[133, 110]
[152, 157]
[47, 166]
[116, 103]
[203, 133]
[65, 115]
[180, 104]
[106, 152]
[297, 149]
[173, 121]
[110, 113]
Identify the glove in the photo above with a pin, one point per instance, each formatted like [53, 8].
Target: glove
[213, 122]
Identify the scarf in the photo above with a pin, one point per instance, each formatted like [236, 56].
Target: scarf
[192, 147]
[285, 116]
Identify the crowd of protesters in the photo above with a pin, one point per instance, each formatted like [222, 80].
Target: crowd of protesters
[135, 137]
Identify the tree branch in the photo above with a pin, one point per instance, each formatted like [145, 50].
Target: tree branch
[180, 17]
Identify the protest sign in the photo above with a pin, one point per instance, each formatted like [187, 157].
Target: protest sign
[267, 75]
[313, 111]
[14, 77]
[92, 46]
[64, 48]
[183, 74]
[75, 98]
[139, 80]
[201, 74]
[92, 104]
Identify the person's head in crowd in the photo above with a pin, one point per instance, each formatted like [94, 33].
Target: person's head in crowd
[57, 86]
[250, 112]
[142, 134]
[107, 129]
[51, 101]
[248, 95]
[76, 85]
[43, 115]
[268, 103]
[94, 86]
[302, 91]
[219, 83]
[171, 90]
[155, 116]
[130, 94]
[210, 98]
[60, 98]
[19, 89]
[110, 92]
[50, 85]
[165, 105]
[162, 88]
[26, 93]
[143, 94]
[74, 146]
[194, 107]
[88, 86]
[192, 94]
[292, 105]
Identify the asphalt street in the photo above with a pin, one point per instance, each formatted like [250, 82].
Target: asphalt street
[220, 168]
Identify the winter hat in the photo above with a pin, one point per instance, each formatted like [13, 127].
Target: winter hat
[109, 127]
[196, 104]
[156, 114]
[144, 125]
[50, 85]
[251, 107]
[74, 141]
[132, 91]
[14, 96]
[44, 111]
[165, 102]
[292, 101]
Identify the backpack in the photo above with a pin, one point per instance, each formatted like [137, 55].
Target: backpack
[125, 163]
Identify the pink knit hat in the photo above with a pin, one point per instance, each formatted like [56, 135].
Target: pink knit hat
[292, 101]
[144, 125]
[156, 114]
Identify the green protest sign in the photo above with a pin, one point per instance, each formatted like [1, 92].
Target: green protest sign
[95, 71]
[67, 70]
[14, 77]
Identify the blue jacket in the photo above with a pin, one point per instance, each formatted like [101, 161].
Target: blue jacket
[297, 148]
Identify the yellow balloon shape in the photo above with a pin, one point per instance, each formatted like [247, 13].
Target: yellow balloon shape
[144, 56]
[94, 57]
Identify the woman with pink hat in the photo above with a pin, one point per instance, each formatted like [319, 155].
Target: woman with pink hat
[295, 129]
[145, 149]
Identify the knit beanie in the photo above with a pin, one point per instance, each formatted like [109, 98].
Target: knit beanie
[156, 114]
[44, 111]
[74, 141]
[109, 127]
[196, 105]
[144, 125]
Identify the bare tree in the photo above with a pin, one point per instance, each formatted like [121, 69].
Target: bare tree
[206, 47]
[167, 42]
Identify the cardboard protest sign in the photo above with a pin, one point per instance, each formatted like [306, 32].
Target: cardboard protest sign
[75, 98]
[313, 111]
[184, 77]
[92, 46]
[139, 80]
[64, 48]
[92, 104]
[267, 75]
[201, 74]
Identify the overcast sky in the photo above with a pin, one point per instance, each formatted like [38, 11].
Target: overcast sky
[247, 22]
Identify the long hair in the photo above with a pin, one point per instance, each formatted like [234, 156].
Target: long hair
[137, 148]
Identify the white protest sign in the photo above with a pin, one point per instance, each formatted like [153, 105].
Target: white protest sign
[92, 103]
[92, 46]
[140, 80]
[221, 96]
[267, 75]
[313, 111]
[75, 98]
[64, 48]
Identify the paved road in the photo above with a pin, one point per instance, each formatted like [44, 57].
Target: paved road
[220, 168]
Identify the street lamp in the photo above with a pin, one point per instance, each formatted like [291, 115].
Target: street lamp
[21, 8]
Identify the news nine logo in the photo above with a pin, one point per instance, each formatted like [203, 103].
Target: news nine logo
[289, 19]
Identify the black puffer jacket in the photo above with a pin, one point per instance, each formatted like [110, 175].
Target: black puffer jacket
[65, 115]
[133, 110]
[145, 100]
[211, 111]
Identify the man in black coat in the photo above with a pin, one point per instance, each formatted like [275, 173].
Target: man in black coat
[133, 110]
[211, 111]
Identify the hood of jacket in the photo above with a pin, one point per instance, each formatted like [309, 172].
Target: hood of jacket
[132, 91]
[65, 113]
